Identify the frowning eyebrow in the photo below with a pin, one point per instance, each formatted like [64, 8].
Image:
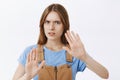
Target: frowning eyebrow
[47, 21]
[55, 21]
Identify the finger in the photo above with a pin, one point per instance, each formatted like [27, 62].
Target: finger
[28, 58]
[33, 54]
[68, 39]
[70, 36]
[73, 36]
[36, 58]
[78, 38]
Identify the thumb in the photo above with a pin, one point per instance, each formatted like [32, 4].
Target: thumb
[41, 65]
[39, 68]
[67, 49]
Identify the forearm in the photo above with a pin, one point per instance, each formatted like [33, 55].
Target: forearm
[24, 77]
[96, 67]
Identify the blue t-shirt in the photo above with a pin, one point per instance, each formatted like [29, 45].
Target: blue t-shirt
[54, 58]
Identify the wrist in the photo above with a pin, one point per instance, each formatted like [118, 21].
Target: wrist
[84, 57]
[26, 76]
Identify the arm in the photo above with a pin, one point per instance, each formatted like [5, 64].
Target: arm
[77, 50]
[31, 68]
[96, 67]
[20, 73]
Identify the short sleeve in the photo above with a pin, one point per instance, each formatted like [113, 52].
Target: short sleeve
[81, 66]
[23, 56]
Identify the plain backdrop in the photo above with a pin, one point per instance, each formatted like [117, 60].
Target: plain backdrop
[96, 21]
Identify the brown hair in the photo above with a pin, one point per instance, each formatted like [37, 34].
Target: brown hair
[64, 18]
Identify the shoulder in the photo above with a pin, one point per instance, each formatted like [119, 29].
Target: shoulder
[32, 46]
[29, 48]
[26, 51]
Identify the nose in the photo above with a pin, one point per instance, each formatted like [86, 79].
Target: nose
[51, 26]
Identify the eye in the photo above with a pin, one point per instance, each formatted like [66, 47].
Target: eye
[57, 22]
[46, 22]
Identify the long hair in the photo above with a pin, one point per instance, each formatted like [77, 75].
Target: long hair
[61, 11]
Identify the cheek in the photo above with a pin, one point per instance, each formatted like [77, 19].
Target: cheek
[45, 30]
[60, 31]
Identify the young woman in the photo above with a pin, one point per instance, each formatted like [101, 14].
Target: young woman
[59, 53]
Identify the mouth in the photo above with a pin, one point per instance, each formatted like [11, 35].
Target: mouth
[51, 33]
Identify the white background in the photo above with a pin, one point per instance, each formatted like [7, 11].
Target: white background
[96, 21]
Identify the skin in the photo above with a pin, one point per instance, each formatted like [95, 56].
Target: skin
[53, 30]
[77, 50]
[31, 68]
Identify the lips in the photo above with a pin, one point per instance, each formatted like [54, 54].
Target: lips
[51, 33]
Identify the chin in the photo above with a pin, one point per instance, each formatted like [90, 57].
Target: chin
[51, 38]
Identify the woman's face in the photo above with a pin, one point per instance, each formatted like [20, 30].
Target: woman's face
[53, 26]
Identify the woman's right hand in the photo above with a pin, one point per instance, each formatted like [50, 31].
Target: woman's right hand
[31, 67]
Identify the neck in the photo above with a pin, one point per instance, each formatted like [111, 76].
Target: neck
[54, 45]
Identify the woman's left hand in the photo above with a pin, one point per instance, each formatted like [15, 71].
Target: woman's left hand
[76, 47]
[77, 50]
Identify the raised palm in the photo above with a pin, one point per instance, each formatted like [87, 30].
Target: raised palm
[31, 67]
[76, 46]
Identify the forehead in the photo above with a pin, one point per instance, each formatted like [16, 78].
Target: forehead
[53, 16]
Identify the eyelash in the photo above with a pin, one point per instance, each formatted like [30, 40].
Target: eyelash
[56, 22]
[47, 22]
